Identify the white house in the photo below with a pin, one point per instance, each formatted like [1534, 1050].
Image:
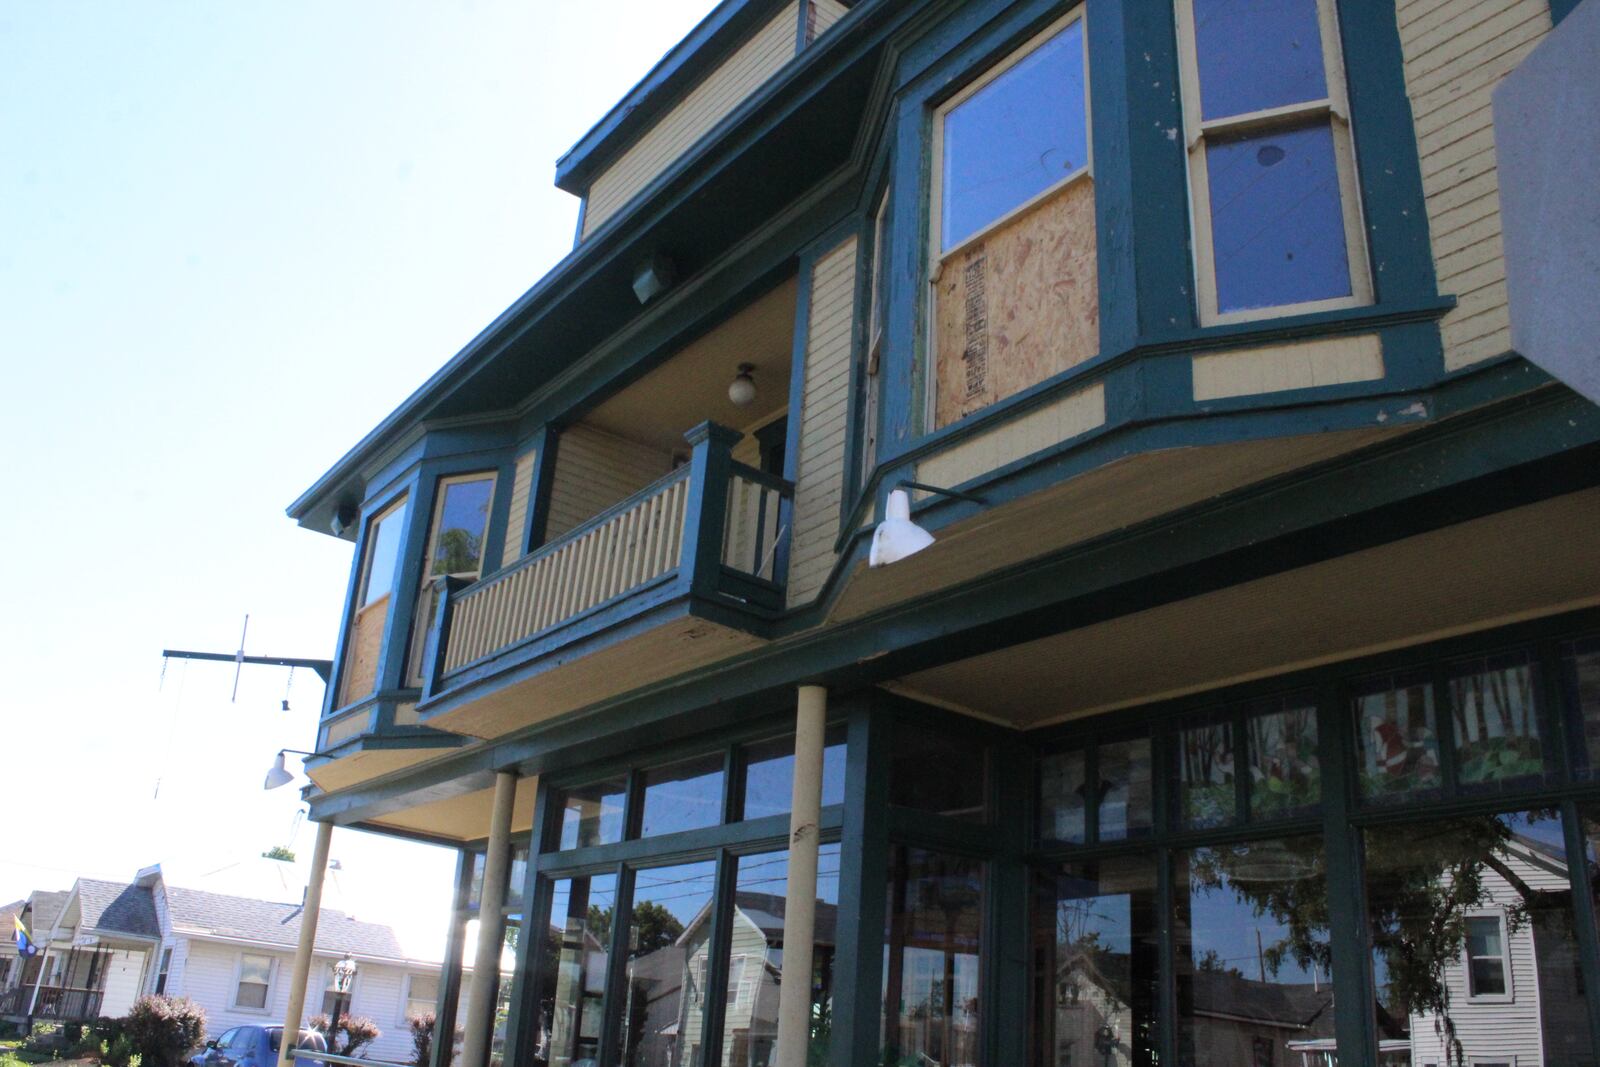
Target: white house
[113, 941]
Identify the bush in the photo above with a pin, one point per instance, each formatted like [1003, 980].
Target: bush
[163, 1030]
[358, 1030]
[118, 1052]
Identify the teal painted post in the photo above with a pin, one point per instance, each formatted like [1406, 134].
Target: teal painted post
[1583, 907]
[863, 870]
[444, 1023]
[719, 947]
[1008, 955]
[706, 514]
[497, 535]
[544, 474]
[444, 590]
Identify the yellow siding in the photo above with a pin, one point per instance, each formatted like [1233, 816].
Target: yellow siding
[824, 13]
[819, 479]
[595, 470]
[1455, 54]
[1273, 369]
[745, 71]
[521, 497]
[1040, 428]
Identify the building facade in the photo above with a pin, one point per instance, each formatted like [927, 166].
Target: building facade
[1038, 502]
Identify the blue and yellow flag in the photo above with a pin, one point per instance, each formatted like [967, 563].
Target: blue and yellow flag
[25, 945]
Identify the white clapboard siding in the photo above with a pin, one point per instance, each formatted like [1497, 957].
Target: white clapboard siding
[595, 470]
[1455, 54]
[819, 473]
[713, 98]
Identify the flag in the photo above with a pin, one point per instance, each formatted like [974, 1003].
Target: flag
[25, 945]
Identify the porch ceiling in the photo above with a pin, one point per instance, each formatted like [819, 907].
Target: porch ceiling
[692, 386]
[464, 817]
[1519, 564]
[358, 767]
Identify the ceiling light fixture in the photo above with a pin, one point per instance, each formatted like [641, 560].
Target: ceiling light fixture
[742, 390]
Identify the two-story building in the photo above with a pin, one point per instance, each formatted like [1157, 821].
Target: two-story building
[1048, 491]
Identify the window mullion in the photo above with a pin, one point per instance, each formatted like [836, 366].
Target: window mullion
[617, 969]
[718, 948]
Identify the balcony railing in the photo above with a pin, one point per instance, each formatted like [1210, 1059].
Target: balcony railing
[62, 1003]
[713, 528]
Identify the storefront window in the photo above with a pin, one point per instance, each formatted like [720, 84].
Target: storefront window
[592, 814]
[573, 982]
[1397, 737]
[1096, 964]
[1206, 791]
[1495, 713]
[1581, 660]
[1475, 957]
[1285, 770]
[1119, 805]
[668, 939]
[1252, 952]
[932, 959]
[502, 1005]
[939, 772]
[683, 796]
[769, 775]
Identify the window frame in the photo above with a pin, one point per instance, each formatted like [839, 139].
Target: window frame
[163, 971]
[407, 997]
[1507, 997]
[396, 508]
[1334, 108]
[238, 980]
[422, 612]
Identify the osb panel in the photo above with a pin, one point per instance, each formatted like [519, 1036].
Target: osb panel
[1019, 306]
[1047, 425]
[466, 817]
[361, 658]
[364, 766]
[659, 654]
[1276, 368]
[1108, 498]
[1524, 563]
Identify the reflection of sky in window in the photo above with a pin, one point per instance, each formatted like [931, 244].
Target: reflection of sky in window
[1277, 223]
[768, 872]
[769, 777]
[1106, 917]
[1225, 920]
[1015, 137]
[683, 890]
[592, 814]
[466, 508]
[385, 550]
[1256, 54]
[685, 796]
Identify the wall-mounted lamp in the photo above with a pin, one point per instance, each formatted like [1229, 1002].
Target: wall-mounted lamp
[652, 276]
[279, 774]
[897, 536]
[742, 390]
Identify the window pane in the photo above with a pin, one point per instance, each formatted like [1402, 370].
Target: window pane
[664, 1009]
[938, 772]
[769, 774]
[1014, 138]
[755, 957]
[255, 969]
[1252, 951]
[1496, 719]
[511, 936]
[1397, 741]
[932, 959]
[1276, 220]
[1205, 771]
[463, 517]
[1125, 807]
[592, 814]
[572, 983]
[1424, 881]
[383, 550]
[1256, 54]
[1285, 771]
[1581, 660]
[684, 796]
[1096, 964]
[517, 875]
[1063, 793]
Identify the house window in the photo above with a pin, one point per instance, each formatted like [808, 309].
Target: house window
[422, 995]
[1486, 956]
[871, 379]
[1277, 217]
[161, 971]
[455, 549]
[383, 552]
[255, 978]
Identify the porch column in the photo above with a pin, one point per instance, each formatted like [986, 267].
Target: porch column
[309, 912]
[800, 903]
[491, 926]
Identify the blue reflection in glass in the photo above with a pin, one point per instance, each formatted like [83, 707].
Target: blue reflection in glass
[1015, 137]
[458, 544]
[1277, 226]
[1256, 54]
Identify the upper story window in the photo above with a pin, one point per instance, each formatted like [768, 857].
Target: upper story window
[1277, 216]
[1013, 136]
[1486, 957]
[455, 544]
[383, 552]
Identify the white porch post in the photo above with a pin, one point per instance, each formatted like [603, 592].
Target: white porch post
[309, 913]
[800, 904]
[38, 980]
[491, 926]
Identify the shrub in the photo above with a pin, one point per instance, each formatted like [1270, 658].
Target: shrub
[163, 1030]
[421, 1038]
[358, 1030]
[117, 1052]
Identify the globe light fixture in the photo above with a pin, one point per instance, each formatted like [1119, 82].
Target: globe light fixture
[742, 390]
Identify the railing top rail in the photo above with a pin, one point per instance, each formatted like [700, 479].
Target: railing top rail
[329, 1057]
[572, 535]
[761, 477]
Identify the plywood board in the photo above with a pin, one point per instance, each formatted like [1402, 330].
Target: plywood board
[365, 645]
[1017, 306]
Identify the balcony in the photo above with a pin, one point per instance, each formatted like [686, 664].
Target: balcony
[699, 553]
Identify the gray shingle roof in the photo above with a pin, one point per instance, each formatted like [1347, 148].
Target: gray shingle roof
[46, 906]
[117, 906]
[260, 920]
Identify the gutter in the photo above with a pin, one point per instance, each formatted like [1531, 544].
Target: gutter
[278, 946]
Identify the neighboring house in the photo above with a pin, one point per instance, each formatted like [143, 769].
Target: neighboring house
[1097, 425]
[111, 942]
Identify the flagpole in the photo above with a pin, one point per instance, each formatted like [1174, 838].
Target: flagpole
[33, 1001]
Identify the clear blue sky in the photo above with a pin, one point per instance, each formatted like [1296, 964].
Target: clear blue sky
[233, 236]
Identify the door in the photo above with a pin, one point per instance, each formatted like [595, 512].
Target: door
[124, 974]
